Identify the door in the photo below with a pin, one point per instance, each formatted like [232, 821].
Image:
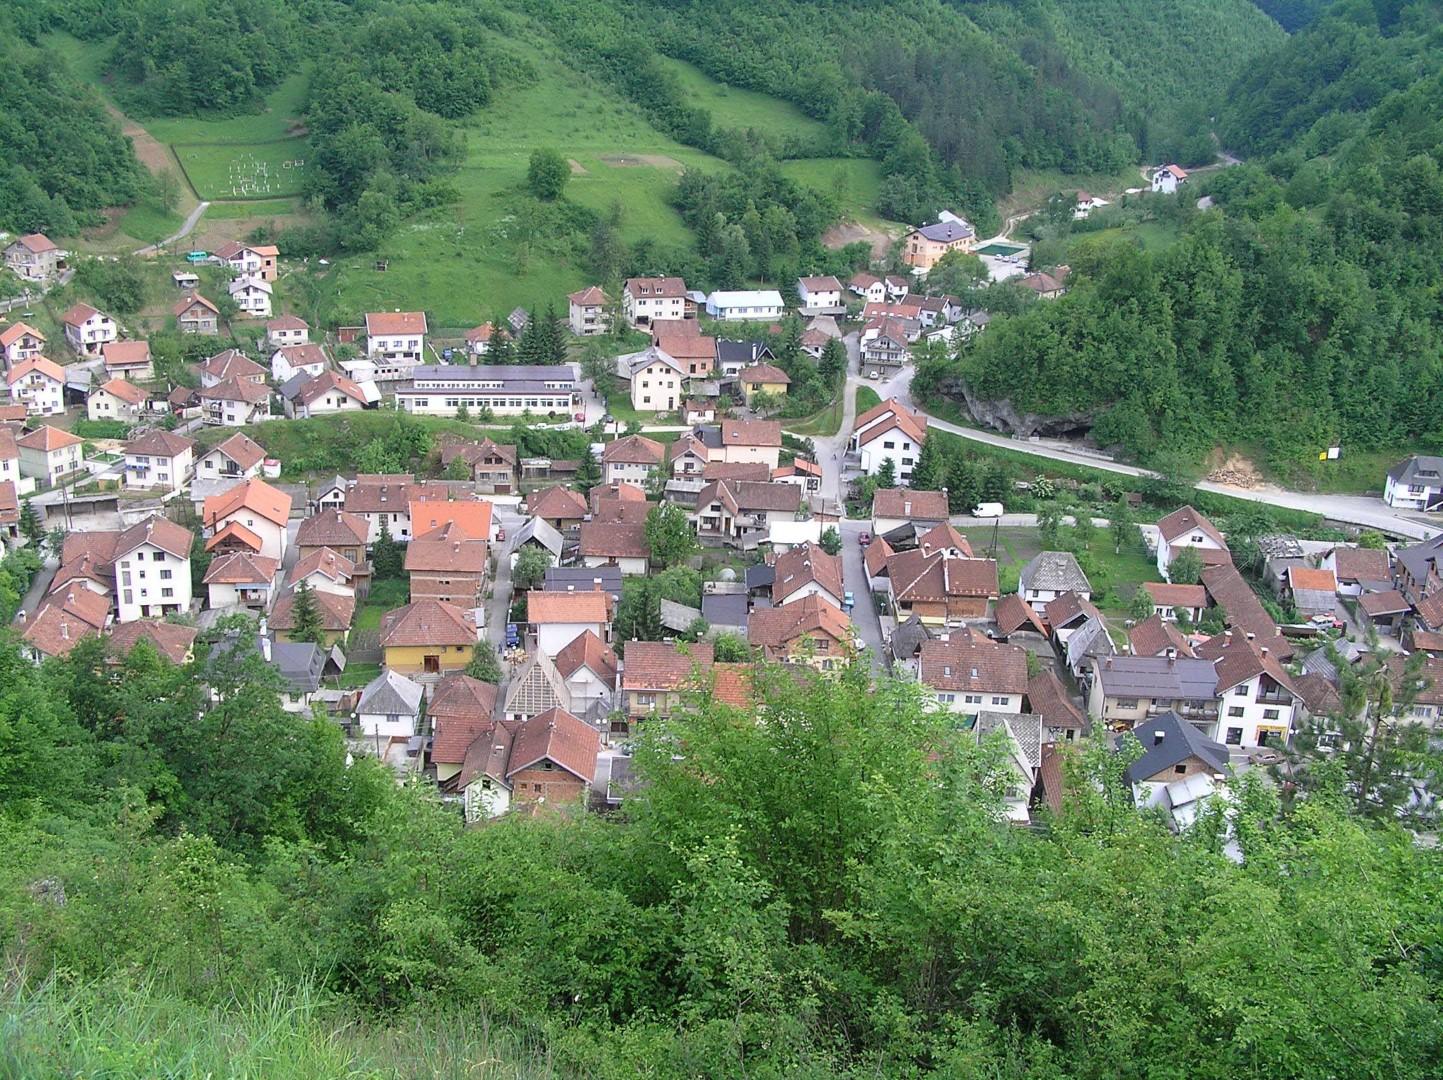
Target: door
[432, 664]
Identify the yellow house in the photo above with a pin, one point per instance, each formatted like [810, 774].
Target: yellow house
[764, 379]
[428, 637]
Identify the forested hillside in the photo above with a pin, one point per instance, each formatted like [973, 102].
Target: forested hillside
[197, 886]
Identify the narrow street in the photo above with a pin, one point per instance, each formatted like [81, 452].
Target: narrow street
[854, 576]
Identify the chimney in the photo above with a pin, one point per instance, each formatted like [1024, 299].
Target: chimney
[266, 649]
[1227, 636]
[64, 630]
[1251, 635]
[1158, 736]
[1264, 650]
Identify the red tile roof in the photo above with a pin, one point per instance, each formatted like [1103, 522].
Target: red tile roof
[126, 353]
[802, 565]
[591, 296]
[558, 737]
[588, 651]
[254, 495]
[1186, 520]
[62, 620]
[336, 611]
[1354, 564]
[241, 449]
[235, 531]
[751, 433]
[159, 443]
[781, 630]
[48, 438]
[634, 449]
[158, 532]
[427, 622]
[326, 562]
[78, 314]
[614, 539]
[472, 516]
[1166, 594]
[235, 389]
[48, 368]
[395, 322]
[764, 375]
[556, 503]
[968, 662]
[1153, 637]
[910, 505]
[332, 528]
[588, 606]
[171, 640]
[654, 665]
[241, 568]
[125, 391]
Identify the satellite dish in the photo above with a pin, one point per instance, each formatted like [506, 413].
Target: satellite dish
[728, 574]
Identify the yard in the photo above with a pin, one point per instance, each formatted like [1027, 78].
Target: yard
[1115, 576]
[383, 597]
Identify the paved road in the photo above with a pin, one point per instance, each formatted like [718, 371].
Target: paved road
[192, 219]
[854, 574]
[38, 587]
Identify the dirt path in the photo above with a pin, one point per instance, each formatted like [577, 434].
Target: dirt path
[851, 232]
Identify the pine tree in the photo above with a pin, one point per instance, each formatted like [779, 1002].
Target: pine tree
[306, 624]
[930, 470]
[887, 474]
[30, 523]
[833, 364]
[387, 554]
[503, 349]
[555, 338]
[588, 472]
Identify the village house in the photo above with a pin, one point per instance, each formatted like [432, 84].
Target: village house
[967, 673]
[559, 618]
[505, 389]
[745, 305]
[615, 543]
[549, 759]
[941, 589]
[152, 570]
[869, 287]
[886, 349]
[251, 260]
[39, 385]
[1180, 769]
[19, 342]
[49, 454]
[196, 315]
[1415, 570]
[252, 297]
[389, 708]
[1187, 528]
[493, 465]
[891, 432]
[395, 342]
[536, 687]
[171, 640]
[1242, 611]
[1127, 690]
[683, 341]
[631, 459]
[804, 474]
[1358, 570]
[697, 411]
[35, 257]
[1258, 701]
[434, 505]
[1049, 574]
[234, 403]
[428, 637]
[1047, 285]
[1416, 483]
[739, 512]
[128, 360]
[87, 330]
[447, 563]
[658, 380]
[589, 668]
[288, 361]
[926, 244]
[382, 499]
[896, 508]
[765, 379]
[810, 631]
[159, 461]
[807, 570]
[654, 676]
[460, 710]
[478, 339]
[61, 621]
[329, 392]
[287, 330]
[231, 364]
[733, 357]
[117, 400]
[1154, 637]
[1313, 591]
[586, 312]
[237, 458]
[1062, 721]
[560, 507]
[336, 611]
[644, 300]
[253, 514]
[747, 442]
[820, 295]
[327, 570]
[240, 579]
[1171, 602]
[1166, 178]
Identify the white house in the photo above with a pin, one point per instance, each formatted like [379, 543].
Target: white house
[1187, 528]
[658, 381]
[88, 330]
[630, 459]
[250, 260]
[559, 618]
[389, 706]
[39, 385]
[586, 311]
[888, 432]
[241, 579]
[543, 390]
[1257, 700]
[1166, 178]
[287, 330]
[237, 458]
[969, 672]
[290, 360]
[47, 454]
[644, 300]
[869, 287]
[115, 399]
[129, 360]
[159, 461]
[395, 342]
[1086, 204]
[589, 668]
[152, 570]
[20, 341]
[255, 515]
[1049, 574]
[231, 364]
[820, 294]
[329, 392]
[478, 339]
[234, 403]
[252, 296]
[1415, 484]
[737, 306]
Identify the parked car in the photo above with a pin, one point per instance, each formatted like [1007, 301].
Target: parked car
[864, 539]
[987, 510]
[513, 637]
[848, 601]
[500, 535]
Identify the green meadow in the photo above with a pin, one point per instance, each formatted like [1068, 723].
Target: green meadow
[734, 107]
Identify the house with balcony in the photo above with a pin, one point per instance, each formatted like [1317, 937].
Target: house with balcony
[395, 343]
[644, 300]
[1128, 690]
[968, 672]
[39, 385]
[234, 403]
[1415, 483]
[738, 513]
[586, 312]
[160, 461]
[35, 257]
[19, 342]
[88, 331]
[250, 260]
[196, 315]
[241, 580]
[237, 458]
[1257, 698]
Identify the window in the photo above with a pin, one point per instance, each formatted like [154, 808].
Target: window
[1180, 769]
[1236, 710]
[996, 700]
[167, 592]
[1270, 714]
[889, 445]
[1241, 691]
[1126, 703]
[1235, 736]
[165, 575]
[972, 699]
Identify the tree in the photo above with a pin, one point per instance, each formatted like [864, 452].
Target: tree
[530, 569]
[458, 469]
[30, 526]
[832, 364]
[930, 471]
[831, 540]
[306, 622]
[1120, 524]
[669, 535]
[484, 664]
[730, 648]
[886, 474]
[1185, 568]
[1049, 526]
[1083, 530]
[1141, 606]
[588, 472]
[388, 555]
[547, 173]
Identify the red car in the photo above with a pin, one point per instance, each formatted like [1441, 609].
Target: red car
[500, 535]
[864, 539]
[581, 418]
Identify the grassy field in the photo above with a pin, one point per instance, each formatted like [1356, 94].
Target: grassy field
[1032, 187]
[230, 211]
[384, 596]
[244, 170]
[734, 107]
[867, 398]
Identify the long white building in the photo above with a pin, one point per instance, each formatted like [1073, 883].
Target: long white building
[505, 389]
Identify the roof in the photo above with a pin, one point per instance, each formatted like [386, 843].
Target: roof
[483, 332]
[909, 504]
[863, 280]
[582, 606]
[943, 537]
[193, 300]
[917, 576]
[37, 243]
[306, 355]
[887, 416]
[970, 662]
[753, 471]
[1307, 579]
[391, 694]
[121, 353]
[556, 503]
[461, 711]
[1064, 609]
[751, 433]
[472, 516]
[775, 628]
[254, 495]
[235, 389]
[373, 493]
[1242, 609]
[243, 450]
[158, 532]
[826, 283]
[1430, 610]
[1166, 594]
[1015, 614]
[427, 622]
[1383, 603]
[724, 609]
[1320, 697]
[77, 314]
[614, 539]
[636, 362]
[655, 665]
[558, 737]
[563, 578]
[586, 650]
[241, 568]
[62, 620]
[448, 548]
[1169, 740]
[682, 339]
[764, 374]
[474, 453]
[172, 640]
[336, 611]
[13, 333]
[287, 322]
[1237, 660]
[744, 298]
[802, 565]
[327, 563]
[907, 638]
[634, 449]
[1356, 564]
[332, 528]
[740, 496]
[1157, 677]
[158, 442]
[48, 438]
[48, 368]
[1177, 171]
[1047, 697]
[395, 322]
[1186, 520]
[1153, 637]
[1054, 571]
[125, 391]
[234, 530]
[946, 232]
[659, 286]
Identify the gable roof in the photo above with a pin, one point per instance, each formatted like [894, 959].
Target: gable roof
[1157, 677]
[62, 620]
[556, 736]
[287, 322]
[241, 449]
[335, 609]
[37, 243]
[158, 532]
[634, 450]
[1168, 594]
[234, 530]
[447, 548]
[764, 374]
[48, 438]
[391, 694]
[427, 622]
[472, 516]
[580, 606]
[802, 565]
[1054, 571]
[172, 640]
[395, 322]
[327, 563]
[970, 662]
[49, 368]
[121, 353]
[192, 301]
[637, 362]
[158, 442]
[254, 495]
[1358, 564]
[556, 503]
[909, 504]
[460, 709]
[1153, 637]
[1383, 603]
[669, 287]
[127, 392]
[1185, 520]
[614, 539]
[945, 232]
[917, 576]
[235, 389]
[1242, 610]
[1169, 740]
[656, 665]
[889, 416]
[586, 650]
[241, 568]
[1047, 697]
[1015, 614]
[775, 628]
[751, 433]
[78, 314]
[332, 528]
